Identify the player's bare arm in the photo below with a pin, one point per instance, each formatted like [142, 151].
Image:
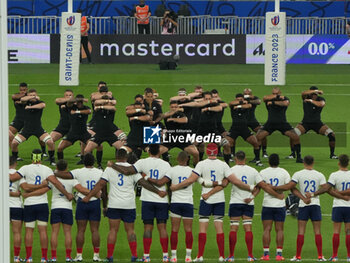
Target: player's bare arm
[147, 185]
[105, 102]
[15, 194]
[97, 189]
[52, 179]
[36, 192]
[234, 180]
[268, 189]
[295, 191]
[32, 187]
[15, 177]
[29, 97]
[145, 118]
[63, 174]
[159, 182]
[190, 180]
[105, 107]
[285, 187]
[126, 170]
[36, 106]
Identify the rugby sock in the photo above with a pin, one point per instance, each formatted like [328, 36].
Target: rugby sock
[201, 154]
[44, 253]
[266, 251]
[264, 148]
[188, 252]
[53, 253]
[147, 241]
[279, 251]
[43, 148]
[347, 242]
[220, 240]
[335, 245]
[227, 158]
[99, 157]
[232, 242]
[15, 154]
[233, 150]
[28, 252]
[79, 250]
[96, 250]
[249, 243]
[110, 250]
[189, 240]
[297, 149]
[318, 241]
[292, 151]
[202, 239]
[16, 251]
[133, 248]
[164, 241]
[257, 154]
[300, 243]
[52, 155]
[173, 240]
[60, 155]
[68, 253]
[331, 148]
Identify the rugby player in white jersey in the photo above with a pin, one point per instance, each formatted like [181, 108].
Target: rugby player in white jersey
[242, 203]
[90, 212]
[153, 206]
[211, 173]
[309, 180]
[121, 203]
[181, 205]
[274, 210]
[340, 181]
[33, 177]
[16, 212]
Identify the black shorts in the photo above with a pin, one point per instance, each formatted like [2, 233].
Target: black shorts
[135, 144]
[99, 139]
[220, 128]
[315, 126]
[282, 127]
[253, 124]
[26, 133]
[243, 131]
[77, 137]
[205, 130]
[181, 146]
[17, 124]
[62, 129]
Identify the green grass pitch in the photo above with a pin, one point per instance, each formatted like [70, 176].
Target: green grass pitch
[127, 80]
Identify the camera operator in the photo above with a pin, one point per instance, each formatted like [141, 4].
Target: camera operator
[169, 23]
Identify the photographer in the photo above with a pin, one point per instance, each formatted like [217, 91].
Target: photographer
[169, 23]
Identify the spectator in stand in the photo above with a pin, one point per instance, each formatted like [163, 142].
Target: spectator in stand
[348, 28]
[142, 15]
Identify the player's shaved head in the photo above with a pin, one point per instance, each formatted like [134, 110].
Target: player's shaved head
[121, 155]
[274, 160]
[247, 91]
[32, 91]
[132, 158]
[343, 160]
[182, 157]
[308, 160]
[276, 90]
[89, 160]
[240, 155]
[61, 165]
[153, 149]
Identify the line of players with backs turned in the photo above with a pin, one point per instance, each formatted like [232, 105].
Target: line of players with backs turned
[213, 174]
[198, 112]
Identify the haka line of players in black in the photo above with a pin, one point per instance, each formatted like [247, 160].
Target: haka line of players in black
[197, 112]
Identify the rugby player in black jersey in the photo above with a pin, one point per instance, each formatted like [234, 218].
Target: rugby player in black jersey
[32, 125]
[240, 126]
[209, 108]
[78, 115]
[63, 124]
[277, 105]
[312, 106]
[18, 122]
[252, 121]
[103, 127]
[138, 118]
[176, 123]
[153, 107]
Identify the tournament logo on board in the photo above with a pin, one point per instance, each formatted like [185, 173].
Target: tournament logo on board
[71, 20]
[275, 20]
